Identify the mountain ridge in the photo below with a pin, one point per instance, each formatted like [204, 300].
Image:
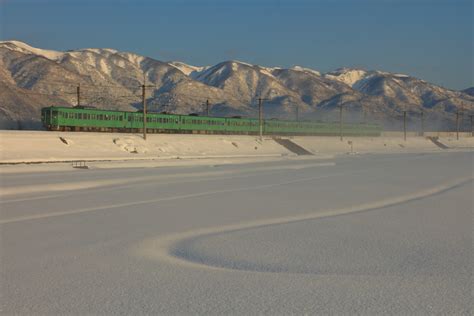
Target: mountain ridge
[32, 78]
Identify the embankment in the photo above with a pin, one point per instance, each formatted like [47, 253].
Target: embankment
[40, 146]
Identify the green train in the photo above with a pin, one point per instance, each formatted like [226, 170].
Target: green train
[81, 118]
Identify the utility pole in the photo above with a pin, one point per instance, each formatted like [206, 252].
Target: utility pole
[260, 117]
[78, 91]
[144, 105]
[457, 124]
[472, 127]
[340, 122]
[422, 123]
[207, 107]
[404, 125]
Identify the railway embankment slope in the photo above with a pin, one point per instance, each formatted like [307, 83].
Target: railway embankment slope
[41, 146]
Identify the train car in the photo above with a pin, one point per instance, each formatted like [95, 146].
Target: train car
[85, 119]
[91, 119]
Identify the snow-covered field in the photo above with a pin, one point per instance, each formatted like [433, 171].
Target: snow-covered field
[349, 234]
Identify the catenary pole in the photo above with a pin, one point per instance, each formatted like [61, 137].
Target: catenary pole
[78, 92]
[472, 127]
[422, 123]
[404, 125]
[144, 108]
[260, 118]
[457, 124]
[340, 123]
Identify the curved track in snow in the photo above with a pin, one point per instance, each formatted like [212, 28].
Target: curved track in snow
[183, 248]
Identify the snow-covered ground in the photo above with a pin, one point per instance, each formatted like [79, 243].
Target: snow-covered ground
[351, 234]
[27, 146]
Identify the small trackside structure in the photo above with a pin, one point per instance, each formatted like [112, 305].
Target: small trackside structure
[81, 164]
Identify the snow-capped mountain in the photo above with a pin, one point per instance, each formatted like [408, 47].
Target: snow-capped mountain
[31, 78]
[469, 91]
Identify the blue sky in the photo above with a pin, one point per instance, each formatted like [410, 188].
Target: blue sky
[429, 39]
